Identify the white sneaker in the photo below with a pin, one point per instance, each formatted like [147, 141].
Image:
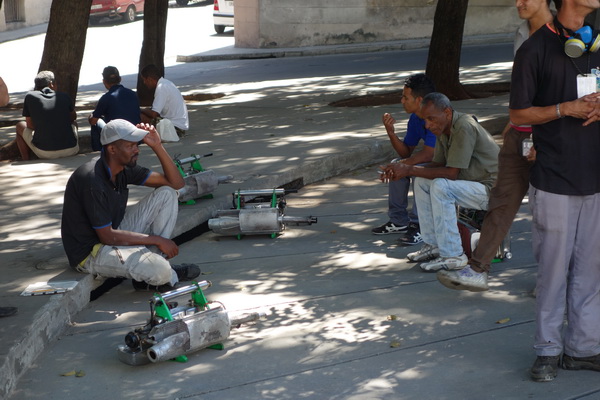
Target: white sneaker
[465, 279]
[448, 263]
[427, 252]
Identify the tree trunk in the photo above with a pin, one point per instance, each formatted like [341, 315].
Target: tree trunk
[153, 46]
[65, 43]
[443, 61]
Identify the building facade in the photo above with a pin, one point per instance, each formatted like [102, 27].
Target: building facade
[16, 14]
[293, 23]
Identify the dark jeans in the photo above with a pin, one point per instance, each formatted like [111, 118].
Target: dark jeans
[505, 198]
[95, 134]
[398, 203]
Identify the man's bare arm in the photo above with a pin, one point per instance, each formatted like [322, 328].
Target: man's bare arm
[4, 96]
[586, 108]
[420, 157]
[116, 237]
[171, 175]
[392, 172]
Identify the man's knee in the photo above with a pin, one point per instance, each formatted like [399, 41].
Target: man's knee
[152, 268]
[440, 186]
[166, 195]
[21, 126]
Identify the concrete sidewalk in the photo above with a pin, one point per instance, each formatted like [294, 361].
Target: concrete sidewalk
[348, 318]
[264, 135]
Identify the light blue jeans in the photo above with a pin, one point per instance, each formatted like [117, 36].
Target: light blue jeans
[437, 200]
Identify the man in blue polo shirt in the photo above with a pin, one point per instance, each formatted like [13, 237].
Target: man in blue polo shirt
[415, 88]
[118, 103]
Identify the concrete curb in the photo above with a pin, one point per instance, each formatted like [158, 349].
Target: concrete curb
[47, 325]
[234, 53]
[310, 172]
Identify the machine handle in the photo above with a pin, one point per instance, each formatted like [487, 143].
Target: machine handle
[193, 158]
[264, 192]
[182, 291]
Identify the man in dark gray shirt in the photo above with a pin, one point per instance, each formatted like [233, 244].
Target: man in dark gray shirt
[48, 130]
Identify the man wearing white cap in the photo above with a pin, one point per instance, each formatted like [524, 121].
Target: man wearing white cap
[100, 236]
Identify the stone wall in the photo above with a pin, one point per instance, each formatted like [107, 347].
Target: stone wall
[16, 14]
[293, 23]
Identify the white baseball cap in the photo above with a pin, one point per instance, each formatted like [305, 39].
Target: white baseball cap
[120, 129]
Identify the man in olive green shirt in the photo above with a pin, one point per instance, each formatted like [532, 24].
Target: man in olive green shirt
[462, 172]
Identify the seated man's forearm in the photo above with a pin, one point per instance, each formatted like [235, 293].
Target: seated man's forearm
[432, 172]
[4, 96]
[148, 112]
[116, 237]
[420, 157]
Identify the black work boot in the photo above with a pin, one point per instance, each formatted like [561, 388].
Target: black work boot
[575, 363]
[141, 286]
[186, 272]
[544, 368]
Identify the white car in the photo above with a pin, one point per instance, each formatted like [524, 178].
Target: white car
[223, 15]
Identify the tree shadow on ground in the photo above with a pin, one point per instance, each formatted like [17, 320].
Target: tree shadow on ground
[478, 91]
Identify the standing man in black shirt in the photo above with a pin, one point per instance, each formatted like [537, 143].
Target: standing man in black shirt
[100, 236]
[553, 90]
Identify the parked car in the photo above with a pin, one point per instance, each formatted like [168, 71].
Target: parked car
[223, 15]
[127, 9]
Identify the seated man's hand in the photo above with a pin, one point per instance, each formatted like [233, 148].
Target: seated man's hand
[168, 247]
[152, 139]
[388, 122]
[393, 172]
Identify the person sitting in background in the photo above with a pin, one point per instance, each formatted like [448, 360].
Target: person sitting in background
[415, 88]
[4, 97]
[49, 129]
[118, 103]
[168, 102]
[462, 172]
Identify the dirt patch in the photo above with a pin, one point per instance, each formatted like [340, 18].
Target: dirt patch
[479, 90]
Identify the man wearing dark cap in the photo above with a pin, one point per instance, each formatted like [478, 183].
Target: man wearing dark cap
[118, 103]
[101, 236]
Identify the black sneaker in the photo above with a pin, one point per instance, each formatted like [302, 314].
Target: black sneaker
[412, 236]
[140, 286]
[575, 363]
[388, 228]
[544, 368]
[7, 311]
[186, 272]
